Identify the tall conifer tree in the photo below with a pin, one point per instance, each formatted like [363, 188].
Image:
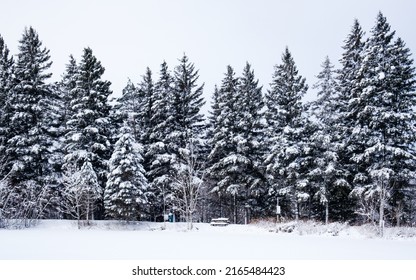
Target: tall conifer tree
[185, 137]
[127, 185]
[347, 80]
[385, 106]
[251, 138]
[6, 84]
[326, 172]
[159, 155]
[285, 160]
[223, 171]
[27, 151]
[87, 139]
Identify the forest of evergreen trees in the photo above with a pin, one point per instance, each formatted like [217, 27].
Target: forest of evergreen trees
[67, 152]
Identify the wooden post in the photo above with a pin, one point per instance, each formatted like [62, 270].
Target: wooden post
[277, 210]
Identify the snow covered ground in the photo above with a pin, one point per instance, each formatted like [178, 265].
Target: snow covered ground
[108, 240]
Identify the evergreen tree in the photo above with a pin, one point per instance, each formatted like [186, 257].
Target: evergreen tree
[147, 122]
[213, 113]
[127, 109]
[6, 71]
[160, 157]
[251, 139]
[27, 149]
[6, 84]
[67, 87]
[187, 101]
[346, 110]
[401, 129]
[59, 114]
[326, 172]
[146, 94]
[87, 139]
[126, 185]
[162, 108]
[31, 133]
[285, 162]
[65, 92]
[236, 141]
[223, 164]
[184, 138]
[211, 200]
[384, 120]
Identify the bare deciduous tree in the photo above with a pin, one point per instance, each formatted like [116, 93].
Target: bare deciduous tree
[187, 183]
[80, 193]
[22, 205]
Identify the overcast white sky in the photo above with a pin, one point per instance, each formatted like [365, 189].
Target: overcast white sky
[129, 35]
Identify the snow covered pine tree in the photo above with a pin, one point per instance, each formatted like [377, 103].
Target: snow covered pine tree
[384, 122]
[87, 139]
[126, 185]
[284, 162]
[29, 137]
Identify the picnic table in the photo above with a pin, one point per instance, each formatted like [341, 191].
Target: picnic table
[220, 222]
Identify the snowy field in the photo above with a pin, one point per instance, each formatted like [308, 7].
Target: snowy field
[117, 241]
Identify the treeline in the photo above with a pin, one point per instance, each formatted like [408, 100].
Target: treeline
[65, 152]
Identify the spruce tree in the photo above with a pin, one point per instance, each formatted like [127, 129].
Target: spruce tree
[384, 120]
[146, 94]
[285, 160]
[160, 155]
[348, 78]
[127, 109]
[162, 108]
[236, 151]
[214, 113]
[145, 117]
[401, 130]
[251, 138]
[6, 84]
[27, 150]
[6, 71]
[126, 185]
[87, 139]
[59, 114]
[67, 87]
[326, 173]
[185, 139]
[187, 101]
[31, 137]
[211, 199]
[223, 171]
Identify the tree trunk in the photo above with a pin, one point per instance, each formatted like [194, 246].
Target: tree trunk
[326, 213]
[190, 224]
[296, 210]
[235, 209]
[398, 213]
[221, 214]
[381, 221]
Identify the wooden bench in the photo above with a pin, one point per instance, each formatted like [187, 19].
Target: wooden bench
[220, 222]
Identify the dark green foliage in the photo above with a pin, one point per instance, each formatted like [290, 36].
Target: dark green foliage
[236, 146]
[88, 126]
[27, 149]
[347, 156]
[287, 156]
[6, 84]
[126, 185]
[384, 121]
